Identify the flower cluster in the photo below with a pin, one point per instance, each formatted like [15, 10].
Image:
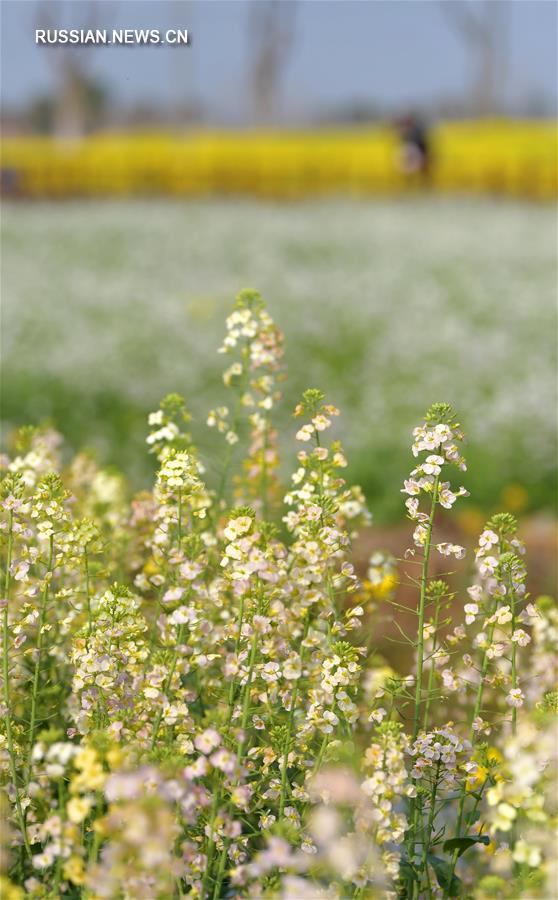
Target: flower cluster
[108, 663]
[387, 784]
[499, 609]
[440, 432]
[439, 756]
[253, 377]
[194, 700]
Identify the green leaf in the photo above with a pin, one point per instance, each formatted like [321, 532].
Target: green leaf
[406, 871]
[408, 878]
[447, 881]
[463, 843]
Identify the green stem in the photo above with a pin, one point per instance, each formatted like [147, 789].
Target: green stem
[239, 624]
[428, 833]
[513, 834]
[59, 861]
[221, 870]
[421, 611]
[316, 767]
[480, 687]
[513, 656]
[239, 754]
[167, 684]
[95, 839]
[264, 478]
[179, 514]
[290, 725]
[322, 750]
[321, 496]
[211, 847]
[432, 666]
[7, 700]
[87, 595]
[476, 711]
[420, 648]
[39, 652]
[234, 426]
[480, 792]
[246, 701]
[286, 751]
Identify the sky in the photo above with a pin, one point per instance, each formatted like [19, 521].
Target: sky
[394, 54]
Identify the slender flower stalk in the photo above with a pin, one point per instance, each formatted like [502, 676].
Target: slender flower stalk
[421, 609]
[439, 433]
[514, 674]
[38, 659]
[87, 591]
[168, 683]
[239, 758]
[496, 562]
[429, 826]
[477, 709]
[437, 591]
[290, 726]
[6, 679]
[232, 434]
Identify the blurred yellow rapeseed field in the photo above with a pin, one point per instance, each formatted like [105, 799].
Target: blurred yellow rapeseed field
[516, 158]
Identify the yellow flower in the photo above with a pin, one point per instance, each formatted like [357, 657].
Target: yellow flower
[534, 807]
[74, 870]
[471, 521]
[115, 757]
[526, 853]
[85, 757]
[491, 756]
[381, 589]
[494, 794]
[515, 497]
[494, 755]
[78, 808]
[474, 781]
[9, 891]
[151, 567]
[91, 777]
[100, 827]
[505, 816]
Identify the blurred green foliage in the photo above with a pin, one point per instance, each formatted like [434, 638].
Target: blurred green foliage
[386, 306]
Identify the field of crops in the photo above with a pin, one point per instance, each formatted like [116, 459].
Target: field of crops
[195, 699]
[499, 157]
[108, 306]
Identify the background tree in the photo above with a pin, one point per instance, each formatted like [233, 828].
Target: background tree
[271, 37]
[79, 100]
[483, 27]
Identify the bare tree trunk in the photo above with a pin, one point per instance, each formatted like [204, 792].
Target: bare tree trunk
[70, 114]
[271, 24]
[71, 64]
[483, 28]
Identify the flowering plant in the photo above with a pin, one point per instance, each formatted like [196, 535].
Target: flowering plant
[193, 703]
